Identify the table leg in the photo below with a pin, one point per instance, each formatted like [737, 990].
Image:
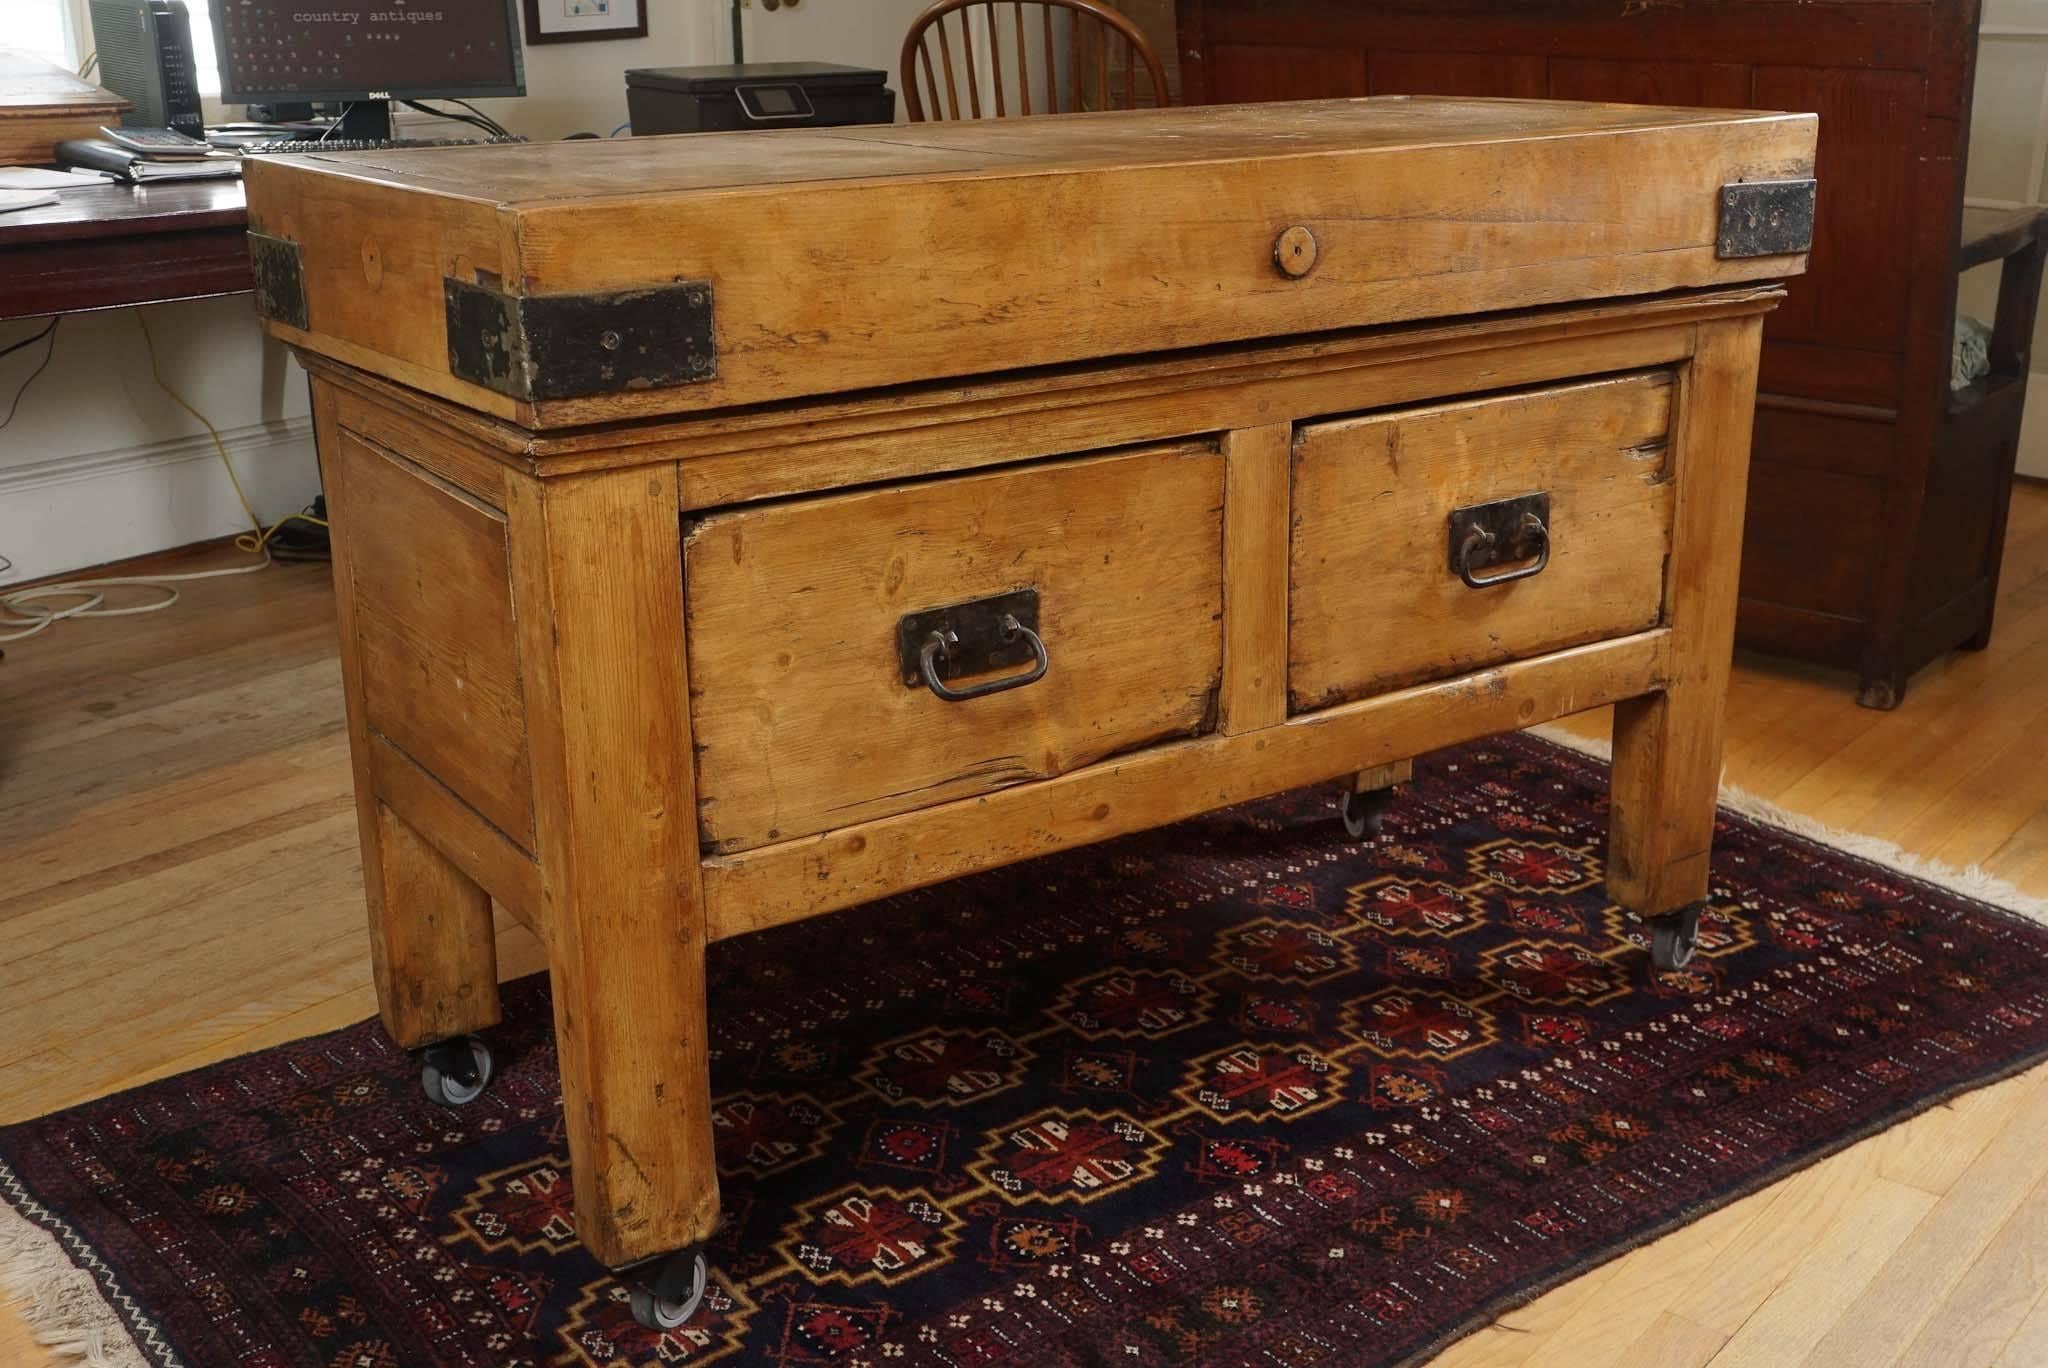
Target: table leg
[433, 949]
[1371, 794]
[1667, 745]
[597, 586]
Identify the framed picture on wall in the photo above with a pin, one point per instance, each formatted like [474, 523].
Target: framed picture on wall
[581, 21]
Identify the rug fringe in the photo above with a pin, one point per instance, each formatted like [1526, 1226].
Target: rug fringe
[59, 1300]
[1972, 882]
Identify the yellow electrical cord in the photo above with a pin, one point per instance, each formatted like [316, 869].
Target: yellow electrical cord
[24, 610]
[254, 543]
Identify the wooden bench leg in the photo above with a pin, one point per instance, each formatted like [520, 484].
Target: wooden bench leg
[1383, 776]
[1370, 795]
[433, 949]
[597, 584]
[1667, 746]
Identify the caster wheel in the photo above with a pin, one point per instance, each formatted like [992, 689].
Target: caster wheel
[671, 1292]
[1673, 938]
[455, 1072]
[1365, 814]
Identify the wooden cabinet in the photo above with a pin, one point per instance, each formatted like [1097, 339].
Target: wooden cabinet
[911, 503]
[1876, 519]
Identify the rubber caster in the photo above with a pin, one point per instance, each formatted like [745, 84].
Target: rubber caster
[667, 1292]
[1365, 814]
[455, 1072]
[1673, 938]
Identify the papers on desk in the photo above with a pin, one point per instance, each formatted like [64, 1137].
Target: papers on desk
[46, 178]
[25, 199]
[98, 155]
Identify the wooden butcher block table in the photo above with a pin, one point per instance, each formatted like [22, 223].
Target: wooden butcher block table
[730, 529]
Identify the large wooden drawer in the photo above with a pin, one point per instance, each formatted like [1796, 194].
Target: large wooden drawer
[1374, 598]
[802, 715]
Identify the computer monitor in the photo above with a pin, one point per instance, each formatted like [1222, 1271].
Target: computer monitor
[366, 51]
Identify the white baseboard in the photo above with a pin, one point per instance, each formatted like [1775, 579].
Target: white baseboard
[2033, 458]
[69, 512]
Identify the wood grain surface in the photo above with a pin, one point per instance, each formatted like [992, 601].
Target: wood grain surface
[1667, 746]
[803, 721]
[180, 882]
[1153, 229]
[433, 628]
[600, 628]
[1373, 602]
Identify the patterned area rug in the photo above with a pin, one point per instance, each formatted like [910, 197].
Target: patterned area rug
[1235, 1092]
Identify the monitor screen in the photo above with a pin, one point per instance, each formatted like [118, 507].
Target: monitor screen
[278, 50]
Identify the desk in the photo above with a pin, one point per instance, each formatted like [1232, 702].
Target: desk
[101, 248]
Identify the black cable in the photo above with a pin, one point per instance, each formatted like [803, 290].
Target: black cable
[496, 127]
[13, 347]
[49, 332]
[477, 124]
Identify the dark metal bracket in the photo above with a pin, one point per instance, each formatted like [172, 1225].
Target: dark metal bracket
[1766, 218]
[977, 638]
[280, 279]
[1512, 531]
[573, 345]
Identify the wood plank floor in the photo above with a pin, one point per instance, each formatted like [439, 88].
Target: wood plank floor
[179, 883]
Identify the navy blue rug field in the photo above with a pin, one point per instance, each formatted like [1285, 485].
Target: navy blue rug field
[1236, 1092]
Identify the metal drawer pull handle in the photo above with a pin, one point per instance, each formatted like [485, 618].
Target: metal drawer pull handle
[1508, 530]
[939, 643]
[1479, 539]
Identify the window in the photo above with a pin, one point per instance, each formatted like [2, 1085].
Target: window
[60, 31]
[41, 28]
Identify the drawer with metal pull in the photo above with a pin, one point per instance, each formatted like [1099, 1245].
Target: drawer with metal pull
[1427, 542]
[865, 654]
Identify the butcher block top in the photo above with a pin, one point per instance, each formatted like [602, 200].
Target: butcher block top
[557, 284]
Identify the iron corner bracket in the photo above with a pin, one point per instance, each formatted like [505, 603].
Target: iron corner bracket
[1766, 218]
[570, 346]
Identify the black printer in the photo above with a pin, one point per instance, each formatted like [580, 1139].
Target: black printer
[720, 99]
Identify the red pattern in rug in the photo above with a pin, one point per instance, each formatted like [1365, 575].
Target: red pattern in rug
[1235, 1092]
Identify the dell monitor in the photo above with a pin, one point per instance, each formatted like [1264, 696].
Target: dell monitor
[366, 53]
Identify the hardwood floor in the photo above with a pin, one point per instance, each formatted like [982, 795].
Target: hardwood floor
[179, 883]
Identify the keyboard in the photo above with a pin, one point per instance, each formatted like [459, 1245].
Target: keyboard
[288, 146]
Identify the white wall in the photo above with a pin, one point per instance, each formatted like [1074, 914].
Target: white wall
[865, 33]
[2008, 161]
[581, 87]
[99, 464]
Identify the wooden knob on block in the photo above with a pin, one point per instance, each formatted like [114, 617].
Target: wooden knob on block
[1295, 251]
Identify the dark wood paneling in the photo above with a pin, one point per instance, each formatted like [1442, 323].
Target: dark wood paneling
[1827, 442]
[1238, 73]
[1873, 35]
[1866, 167]
[1795, 553]
[1771, 628]
[1712, 84]
[1958, 544]
[1455, 73]
[1838, 375]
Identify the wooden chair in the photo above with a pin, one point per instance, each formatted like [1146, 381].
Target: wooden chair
[1092, 30]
